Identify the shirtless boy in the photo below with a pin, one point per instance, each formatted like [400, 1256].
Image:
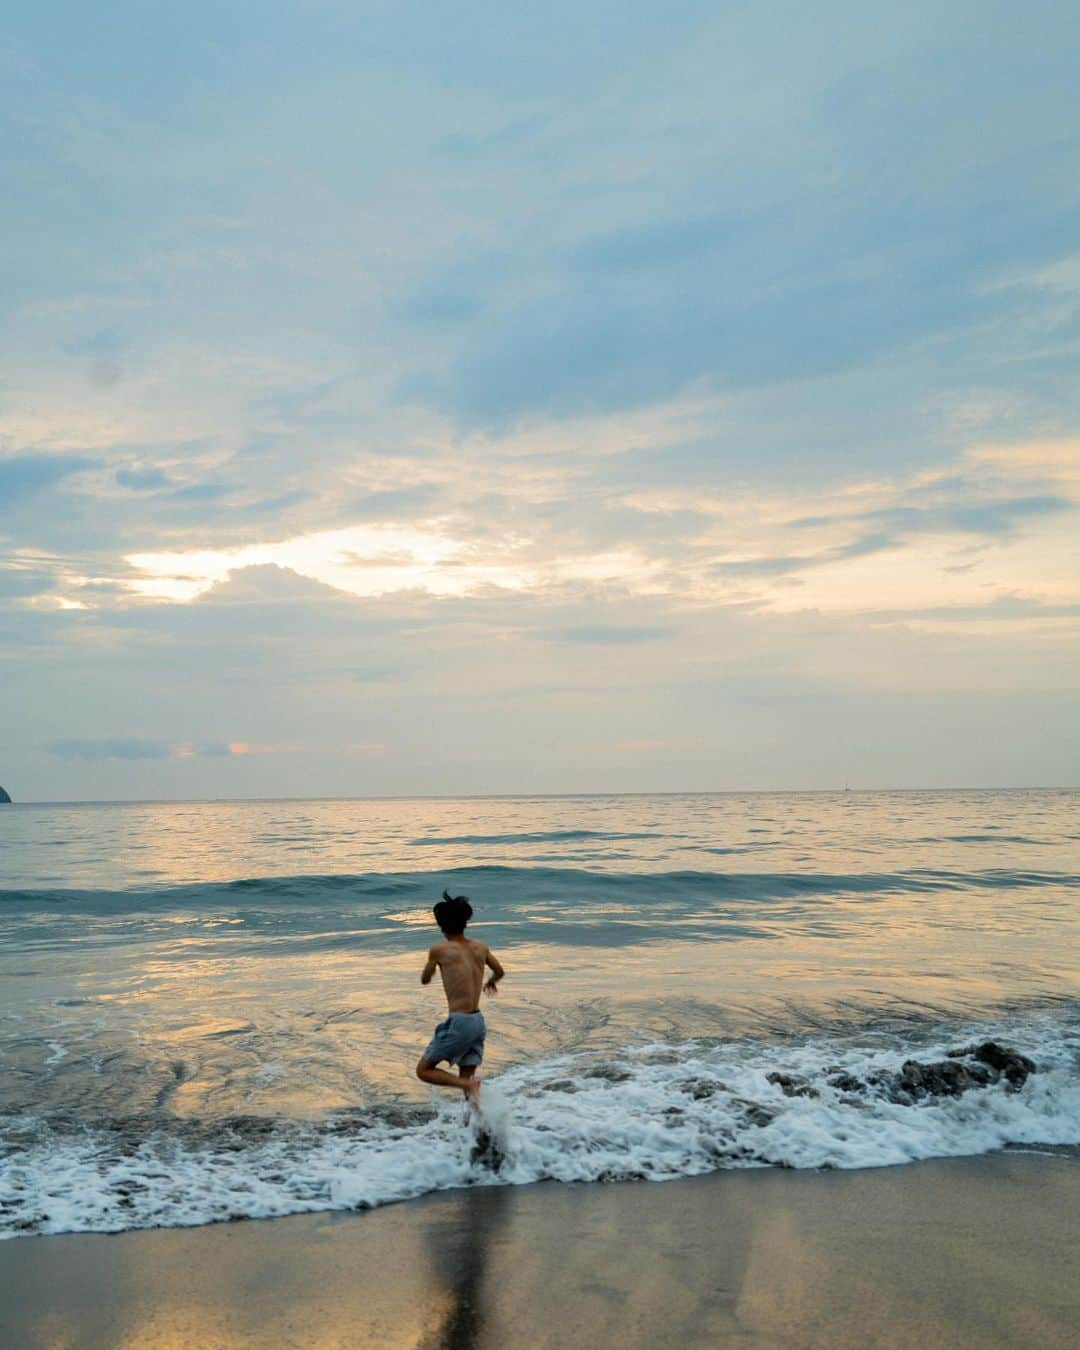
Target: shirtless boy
[460, 961]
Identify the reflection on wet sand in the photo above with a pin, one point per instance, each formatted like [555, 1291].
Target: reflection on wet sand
[460, 1255]
[964, 1253]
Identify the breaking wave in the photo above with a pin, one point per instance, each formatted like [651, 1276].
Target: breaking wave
[656, 1112]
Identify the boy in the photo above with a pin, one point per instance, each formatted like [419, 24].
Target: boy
[460, 962]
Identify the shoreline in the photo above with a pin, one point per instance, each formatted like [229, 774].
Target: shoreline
[978, 1251]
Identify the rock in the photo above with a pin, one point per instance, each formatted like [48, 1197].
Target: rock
[703, 1090]
[986, 1064]
[790, 1085]
[611, 1072]
[1011, 1063]
[846, 1082]
[945, 1078]
[755, 1113]
[610, 1174]
[5, 800]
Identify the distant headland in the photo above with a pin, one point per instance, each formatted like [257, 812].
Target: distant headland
[4, 798]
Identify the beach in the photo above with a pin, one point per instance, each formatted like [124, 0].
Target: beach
[975, 1252]
[769, 1070]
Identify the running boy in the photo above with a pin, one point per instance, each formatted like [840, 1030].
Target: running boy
[460, 961]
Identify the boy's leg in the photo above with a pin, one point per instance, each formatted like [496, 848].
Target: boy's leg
[428, 1073]
[466, 1072]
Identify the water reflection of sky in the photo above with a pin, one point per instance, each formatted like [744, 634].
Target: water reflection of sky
[132, 844]
[300, 993]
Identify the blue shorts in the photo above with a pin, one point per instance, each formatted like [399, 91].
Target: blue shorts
[459, 1040]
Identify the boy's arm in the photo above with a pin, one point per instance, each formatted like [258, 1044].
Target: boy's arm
[427, 974]
[497, 972]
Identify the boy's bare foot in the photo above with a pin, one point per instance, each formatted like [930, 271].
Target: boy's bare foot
[472, 1091]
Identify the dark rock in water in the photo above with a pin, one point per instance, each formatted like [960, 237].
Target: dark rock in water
[562, 1085]
[986, 1064]
[611, 1072]
[754, 1113]
[393, 1115]
[1011, 1063]
[5, 800]
[702, 1091]
[790, 1085]
[610, 1174]
[946, 1078]
[846, 1082]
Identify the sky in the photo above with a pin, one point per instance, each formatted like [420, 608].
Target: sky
[407, 399]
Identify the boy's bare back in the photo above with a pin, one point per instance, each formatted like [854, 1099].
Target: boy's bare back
[461, 963]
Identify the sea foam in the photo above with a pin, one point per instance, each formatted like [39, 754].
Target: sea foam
[654, 1113]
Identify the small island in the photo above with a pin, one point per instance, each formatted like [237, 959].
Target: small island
[5, 800]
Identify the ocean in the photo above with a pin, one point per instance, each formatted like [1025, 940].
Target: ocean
[212, 1010]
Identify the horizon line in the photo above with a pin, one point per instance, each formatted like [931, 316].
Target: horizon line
[534, 796]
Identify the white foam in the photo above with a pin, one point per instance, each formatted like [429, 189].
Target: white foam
[678, 1111]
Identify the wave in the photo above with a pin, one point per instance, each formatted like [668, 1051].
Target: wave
[979, 839]
[656, 1112]
[497, 881]
[532, 837]
[381, 911]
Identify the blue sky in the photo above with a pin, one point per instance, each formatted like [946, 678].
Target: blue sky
[606, 397]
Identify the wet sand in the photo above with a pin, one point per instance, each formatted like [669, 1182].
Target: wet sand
[971, 1252]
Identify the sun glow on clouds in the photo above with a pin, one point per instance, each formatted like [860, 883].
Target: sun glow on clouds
[998, 522]
[224, 750]
[363, 560]
[374, 560]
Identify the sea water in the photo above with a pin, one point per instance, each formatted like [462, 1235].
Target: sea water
[213, 1010]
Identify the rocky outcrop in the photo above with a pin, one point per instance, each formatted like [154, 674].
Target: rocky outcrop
[974, 1066]
[5, 800]
[942, 1078]
[1011, 1063]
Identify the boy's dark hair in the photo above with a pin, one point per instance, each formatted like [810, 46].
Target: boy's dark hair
[452, 913]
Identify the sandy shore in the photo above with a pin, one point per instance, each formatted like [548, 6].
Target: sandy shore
[973, 1252]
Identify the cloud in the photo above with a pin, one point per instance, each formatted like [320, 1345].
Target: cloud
[781, 565]
[647, 747]
[121, 747]
[143, 480]
[223, 750]
[199, 492]
[610, 634]
[987, 518]
[140, 748]
[1002, 609]
[784, 565]
[439, 305]
[21, 583]
[394, 503]
[104, 349]
[364, 560]
[273, 506]
[23, 476]
[635, 248]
